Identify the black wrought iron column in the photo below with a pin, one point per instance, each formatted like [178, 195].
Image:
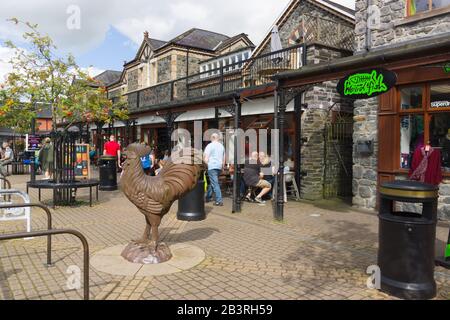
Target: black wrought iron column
[170, 118]
[236, 160]
[32, 155]
[279, 211]
[99, 143]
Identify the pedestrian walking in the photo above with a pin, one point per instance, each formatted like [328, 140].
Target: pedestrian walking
[112, 148]
[46, 158]
[7, 158]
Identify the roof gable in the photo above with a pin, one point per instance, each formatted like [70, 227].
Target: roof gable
[328, 5]
[229, 42]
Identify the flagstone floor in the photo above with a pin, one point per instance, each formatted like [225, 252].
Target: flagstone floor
[320, 251]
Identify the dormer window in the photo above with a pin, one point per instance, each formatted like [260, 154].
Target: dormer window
[414, 7]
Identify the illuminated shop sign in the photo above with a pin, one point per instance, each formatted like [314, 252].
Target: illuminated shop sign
[440, 104]
[366, 84]
[447, 68]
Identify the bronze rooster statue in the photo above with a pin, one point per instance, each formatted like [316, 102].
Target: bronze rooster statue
[154, 196]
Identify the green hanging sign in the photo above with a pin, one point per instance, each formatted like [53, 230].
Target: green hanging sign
[447, 68]
[366, 84]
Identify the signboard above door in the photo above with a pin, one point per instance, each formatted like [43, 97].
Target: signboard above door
[366, 84]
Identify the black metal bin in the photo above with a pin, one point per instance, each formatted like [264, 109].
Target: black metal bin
[406, 250]
[191, 207]
[108, 173]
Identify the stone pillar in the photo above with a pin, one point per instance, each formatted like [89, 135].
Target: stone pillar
[365, 166]
[313, 119]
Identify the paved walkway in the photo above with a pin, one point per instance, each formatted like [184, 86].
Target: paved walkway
[320, 251]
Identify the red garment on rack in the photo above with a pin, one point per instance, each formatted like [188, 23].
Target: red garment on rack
[433, 172]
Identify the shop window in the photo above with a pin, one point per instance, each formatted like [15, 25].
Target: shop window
[411, 137]
[440, 95]
[411, 98]
[417, 6]
[425, 119]
[440, 137]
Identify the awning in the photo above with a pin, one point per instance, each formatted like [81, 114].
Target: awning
[200, 114]
[149, 120]
[262, 106]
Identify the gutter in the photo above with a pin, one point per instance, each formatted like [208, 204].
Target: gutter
[416, 49]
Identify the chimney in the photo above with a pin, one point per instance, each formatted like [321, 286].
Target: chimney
[146, 35]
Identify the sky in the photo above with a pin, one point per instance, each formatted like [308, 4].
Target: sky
[102, 34]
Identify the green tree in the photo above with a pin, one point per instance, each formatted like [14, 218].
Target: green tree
[41, 77]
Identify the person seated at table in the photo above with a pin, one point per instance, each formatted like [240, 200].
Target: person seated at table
[267, 168]
[254, 177]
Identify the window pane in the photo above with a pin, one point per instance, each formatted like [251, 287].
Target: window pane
[411, 137]
[435, 4]
[440, 136]
[416, 6]
[411, 98]
[440, 95]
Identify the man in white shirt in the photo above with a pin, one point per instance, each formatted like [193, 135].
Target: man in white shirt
[214, 157]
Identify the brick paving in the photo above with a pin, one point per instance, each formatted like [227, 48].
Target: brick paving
[320, 251]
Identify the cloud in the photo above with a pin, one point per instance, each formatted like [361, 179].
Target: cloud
[92, 71]
[5, 55]
[163, 20]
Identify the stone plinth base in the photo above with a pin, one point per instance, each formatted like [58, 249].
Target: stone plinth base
[184, 257]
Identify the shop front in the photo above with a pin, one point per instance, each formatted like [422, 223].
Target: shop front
[395, 131]
[413, 121]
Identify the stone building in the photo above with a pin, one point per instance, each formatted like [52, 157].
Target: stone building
[392, 24]
[148, 79]
[326, 29]
[189, 78]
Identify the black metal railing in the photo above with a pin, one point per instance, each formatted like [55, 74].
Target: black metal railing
[224, 79]
[49, 232]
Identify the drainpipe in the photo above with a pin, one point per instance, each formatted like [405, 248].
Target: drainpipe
[368, 37]
[187, 72]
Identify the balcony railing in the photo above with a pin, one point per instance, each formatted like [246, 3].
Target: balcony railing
[248, 73]
[225, 79]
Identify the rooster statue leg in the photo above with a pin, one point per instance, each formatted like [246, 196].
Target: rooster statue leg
[155, 221]
[146, 236]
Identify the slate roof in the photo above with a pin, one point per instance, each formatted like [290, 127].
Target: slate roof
[46, 112]
[108, 77]
[340, 7]
[199, 38]
[155, 44]
[227, 42]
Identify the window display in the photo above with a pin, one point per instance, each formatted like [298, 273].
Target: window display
[411, 138]
[411, 98]
[440, 137]
[425, 120]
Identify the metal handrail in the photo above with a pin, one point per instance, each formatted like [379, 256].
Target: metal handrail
[49, 233]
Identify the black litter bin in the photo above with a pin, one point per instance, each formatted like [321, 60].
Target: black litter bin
[191, 207]
[108, 173]
[406, 250]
